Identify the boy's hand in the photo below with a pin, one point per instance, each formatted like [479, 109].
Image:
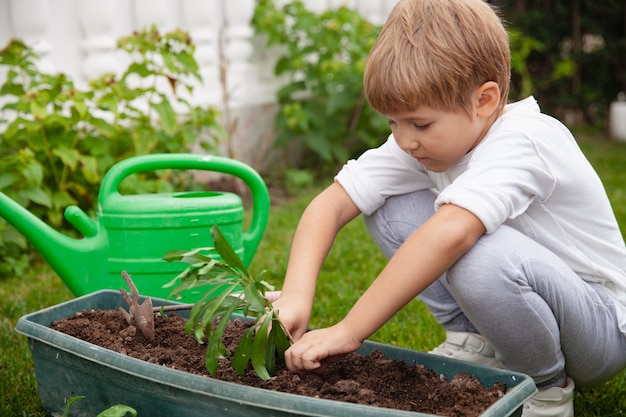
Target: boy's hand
[292, 315]
[317, 349]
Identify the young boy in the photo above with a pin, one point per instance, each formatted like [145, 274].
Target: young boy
[488, 211]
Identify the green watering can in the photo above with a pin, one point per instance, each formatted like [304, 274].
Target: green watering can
[133, 232]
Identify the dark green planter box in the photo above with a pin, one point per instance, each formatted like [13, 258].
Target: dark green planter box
[66, 367]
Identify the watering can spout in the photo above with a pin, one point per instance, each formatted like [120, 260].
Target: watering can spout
[72, 259]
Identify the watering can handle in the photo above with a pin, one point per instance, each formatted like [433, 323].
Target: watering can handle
[258, 189]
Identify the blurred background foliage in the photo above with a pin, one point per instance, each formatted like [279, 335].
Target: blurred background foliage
[571, 55]
[574, 55]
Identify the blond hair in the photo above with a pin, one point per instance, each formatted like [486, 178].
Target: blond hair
[436, 53]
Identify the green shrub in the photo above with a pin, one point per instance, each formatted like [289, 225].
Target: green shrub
[58, 141]
[322, 58]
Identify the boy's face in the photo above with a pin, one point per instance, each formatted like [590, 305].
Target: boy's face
[437, 139]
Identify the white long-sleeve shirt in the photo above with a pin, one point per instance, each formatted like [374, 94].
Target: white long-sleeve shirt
[528, 173]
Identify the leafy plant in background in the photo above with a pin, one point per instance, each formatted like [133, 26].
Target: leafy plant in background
[57, 140]
[322, 58]
[231, 288]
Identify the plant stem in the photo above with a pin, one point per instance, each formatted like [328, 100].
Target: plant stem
[175, 307]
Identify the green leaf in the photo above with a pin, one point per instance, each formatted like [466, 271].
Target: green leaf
[35, 139]
[105, 128]
[139, 68]
[226, 251]
[109, 102]
[69, 403]
[168, 117]
[11, 89]
[215, 347]
[118, 410]
[188, 62]
[242, 354]
[210, 361]
[177, 279]
[291, 88]
[68, 156]
[81, 108]
[7, 179]
[203, 312]
[191, 256]
[278, 343]
[270, 353]
[55, 218]
[62, 199]
[76, 188]
[253, 296]
[169, 62]
[98, 147]
[36, 195]
[89, 168]
[56, 121]
[279, 335]
[38, 110]
[259, 345]
[317, 141]
[341, 100]
[12, 129]
[143, 140]
[33, 172]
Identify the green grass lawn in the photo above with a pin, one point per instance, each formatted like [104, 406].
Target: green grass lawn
[353, 262]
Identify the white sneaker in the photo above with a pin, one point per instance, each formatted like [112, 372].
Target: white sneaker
[470, 347]
[551, 402]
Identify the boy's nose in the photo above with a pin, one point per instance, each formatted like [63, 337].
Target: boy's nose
[407, 144]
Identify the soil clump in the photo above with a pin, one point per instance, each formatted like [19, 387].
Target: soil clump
[371, 380]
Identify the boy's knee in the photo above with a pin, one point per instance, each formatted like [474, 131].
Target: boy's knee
[395, 220]
[486, 260]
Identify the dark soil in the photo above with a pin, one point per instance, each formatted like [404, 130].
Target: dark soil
[372, 380]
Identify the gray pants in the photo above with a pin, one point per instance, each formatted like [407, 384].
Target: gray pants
[541, 318]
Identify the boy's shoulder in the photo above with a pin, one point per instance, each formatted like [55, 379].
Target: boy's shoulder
[525, 117]
[520, 110]
[522, 132]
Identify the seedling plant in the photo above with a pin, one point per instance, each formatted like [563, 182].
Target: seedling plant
[231, 289]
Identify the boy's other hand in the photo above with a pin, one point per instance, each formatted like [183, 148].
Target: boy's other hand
[317, 349]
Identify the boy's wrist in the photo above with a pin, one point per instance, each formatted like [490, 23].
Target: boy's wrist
[303, 290]
[351, 335]
[357, 326]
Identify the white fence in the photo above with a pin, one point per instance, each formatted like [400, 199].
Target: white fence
[78, 37]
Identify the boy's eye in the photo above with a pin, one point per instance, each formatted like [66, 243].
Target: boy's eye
[421, 127]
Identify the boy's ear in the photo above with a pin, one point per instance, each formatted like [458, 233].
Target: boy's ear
[487, 97]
